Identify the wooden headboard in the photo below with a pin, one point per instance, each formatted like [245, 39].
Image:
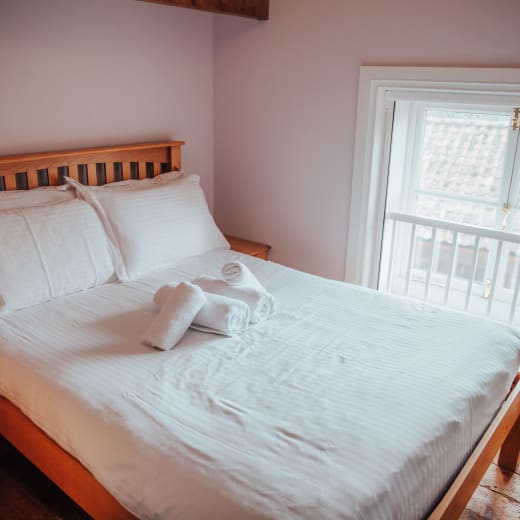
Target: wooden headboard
[93, 166]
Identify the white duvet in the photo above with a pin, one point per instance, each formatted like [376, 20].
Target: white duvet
[346, 404]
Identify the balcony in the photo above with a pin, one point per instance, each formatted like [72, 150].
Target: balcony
[461, 266]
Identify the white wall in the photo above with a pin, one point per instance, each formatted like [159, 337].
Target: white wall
[285, 104]
[96, 72]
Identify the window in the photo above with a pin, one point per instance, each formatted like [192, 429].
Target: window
[462, 162]
[441, 111]
[452, 162]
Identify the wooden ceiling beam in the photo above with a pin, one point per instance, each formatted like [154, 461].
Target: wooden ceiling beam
[258, 9]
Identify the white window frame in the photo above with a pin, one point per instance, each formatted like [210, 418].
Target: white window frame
[371, 147]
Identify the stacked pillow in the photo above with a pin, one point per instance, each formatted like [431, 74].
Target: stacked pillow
[152, 225]
[54, 243]
[37, 197]
[49, 251]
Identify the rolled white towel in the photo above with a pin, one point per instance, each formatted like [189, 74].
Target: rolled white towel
[176, 315]
[239, 275]
[261, 304]
[219, 314]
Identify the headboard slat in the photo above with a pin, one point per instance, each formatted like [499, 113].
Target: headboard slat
[157, 168]
[142, 170]
[66, 162]
[174, 157]
[10, 182]
[127, 172]
[73, 172]
[52, 175]
[32, 179]
[109, 172]
[92, 174]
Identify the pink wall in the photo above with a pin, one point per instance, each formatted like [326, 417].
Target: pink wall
[280, 96]
[285, 103]
[92, 72]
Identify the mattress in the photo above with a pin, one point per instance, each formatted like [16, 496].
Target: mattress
[346, 404]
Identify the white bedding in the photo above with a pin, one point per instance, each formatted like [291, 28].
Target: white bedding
[346, 404]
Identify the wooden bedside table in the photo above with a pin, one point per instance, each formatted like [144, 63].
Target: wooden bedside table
[248, 247]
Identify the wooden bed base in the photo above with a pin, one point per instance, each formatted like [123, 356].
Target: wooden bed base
[111, 163]
[80, 485]
[63, 469]
[502, 434]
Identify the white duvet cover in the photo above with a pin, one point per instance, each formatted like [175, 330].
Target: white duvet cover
[346, 404]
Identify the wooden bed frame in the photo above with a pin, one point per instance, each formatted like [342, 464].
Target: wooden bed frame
[101, 165]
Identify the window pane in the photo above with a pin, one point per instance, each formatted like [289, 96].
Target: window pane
[453, 164]
[511, 269]
[514, 220]
[463, 153]
[456, 210]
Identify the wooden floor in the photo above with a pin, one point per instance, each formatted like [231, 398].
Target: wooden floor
[26, 494]
[497, 497]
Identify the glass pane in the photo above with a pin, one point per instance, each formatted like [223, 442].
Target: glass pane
[463, 153]
[456, 210]
[514, 220]
[455, 174]
[465, 256]
[511, 267]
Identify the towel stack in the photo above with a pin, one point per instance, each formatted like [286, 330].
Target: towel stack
[218, 314]
[180, 307]
[219, 306]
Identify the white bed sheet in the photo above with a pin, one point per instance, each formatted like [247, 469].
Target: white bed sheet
[346, 404]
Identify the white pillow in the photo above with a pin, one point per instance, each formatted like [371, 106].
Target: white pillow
[36, 197]
[155, 226]
[50, 251]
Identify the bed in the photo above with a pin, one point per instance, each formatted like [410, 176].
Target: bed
[346, 404]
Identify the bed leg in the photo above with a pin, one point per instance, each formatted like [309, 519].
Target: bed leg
[508, 458]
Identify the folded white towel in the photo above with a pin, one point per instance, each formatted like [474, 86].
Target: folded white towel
[219, 314]
[261, 304]
[181, 306]
[239, 275]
